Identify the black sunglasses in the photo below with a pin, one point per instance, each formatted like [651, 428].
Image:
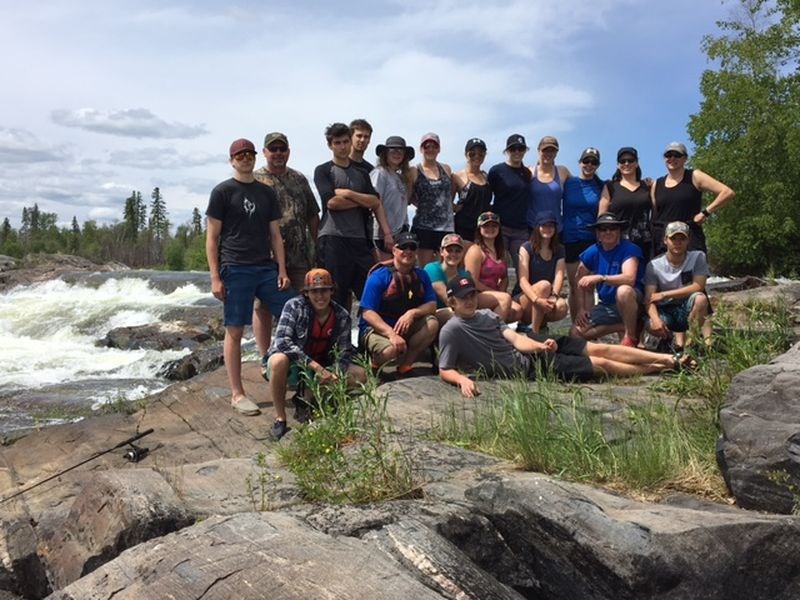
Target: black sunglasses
[627, 161]
[590, 161]
[674, 155]
[276, 149]
[407, 247]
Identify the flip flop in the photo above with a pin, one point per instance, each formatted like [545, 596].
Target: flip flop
[684, 362]
[245, 406]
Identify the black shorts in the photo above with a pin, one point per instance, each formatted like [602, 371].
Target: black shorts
[348, 260]
[569, 362]
[572, 251]
[429, 239]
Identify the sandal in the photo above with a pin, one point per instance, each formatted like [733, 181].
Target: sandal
[684, 362]
[245, 406]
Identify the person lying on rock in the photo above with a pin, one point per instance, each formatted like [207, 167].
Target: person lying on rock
[312, 340]
[479, 341]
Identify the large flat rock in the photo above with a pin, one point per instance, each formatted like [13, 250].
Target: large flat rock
[250, 555]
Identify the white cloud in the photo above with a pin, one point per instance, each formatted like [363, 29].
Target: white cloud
[163, 158]
[131, 122]
[21, 146]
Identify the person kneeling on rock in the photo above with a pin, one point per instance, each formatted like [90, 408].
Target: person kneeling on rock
[312, 340]
[478, 340]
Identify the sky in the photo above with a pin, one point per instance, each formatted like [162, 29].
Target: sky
[103, 98]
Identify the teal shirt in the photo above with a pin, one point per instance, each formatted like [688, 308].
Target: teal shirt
[436, 273]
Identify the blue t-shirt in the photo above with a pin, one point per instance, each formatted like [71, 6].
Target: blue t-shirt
[376, 285]
[602, 262]
[511, 192]
[436, 272]
[581, 198]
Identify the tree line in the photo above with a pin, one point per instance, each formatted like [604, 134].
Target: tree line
[142, 239]
[745, 133]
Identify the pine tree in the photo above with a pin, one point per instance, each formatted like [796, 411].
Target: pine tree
[5, 230]
[131, 217]
[159, 225]
[197, 222]
[75, 238]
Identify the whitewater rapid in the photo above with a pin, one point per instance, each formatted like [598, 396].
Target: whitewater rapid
[48, 333]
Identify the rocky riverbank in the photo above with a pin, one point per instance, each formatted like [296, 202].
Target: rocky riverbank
[184, 522]
[210, 511]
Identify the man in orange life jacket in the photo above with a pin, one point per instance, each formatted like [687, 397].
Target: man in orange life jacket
[398, 308]
[313, 335]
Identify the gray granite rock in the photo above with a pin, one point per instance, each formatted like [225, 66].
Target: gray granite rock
[116, 510]
[249, 555]
[759, 452]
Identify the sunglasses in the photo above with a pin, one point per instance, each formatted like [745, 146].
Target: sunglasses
[627, 161]
[607, 228]
[517, 149]
[406, 247]
[474, 153]
[244, 155]
[276, 149]
[590, 161]
[453, 249]
[674, 155]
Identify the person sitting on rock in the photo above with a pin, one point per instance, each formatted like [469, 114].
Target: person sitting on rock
[675, 289]
[441, 271]
[615, 268]
[312, 340]
[398, 308]
[477, 341]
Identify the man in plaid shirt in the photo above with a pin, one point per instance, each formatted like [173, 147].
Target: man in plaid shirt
[313, 336]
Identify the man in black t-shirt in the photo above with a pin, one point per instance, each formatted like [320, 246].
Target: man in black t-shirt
[345, 233]
[243, 228]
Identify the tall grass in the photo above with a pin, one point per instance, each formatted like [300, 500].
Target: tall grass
[348, 453]
[667, 444]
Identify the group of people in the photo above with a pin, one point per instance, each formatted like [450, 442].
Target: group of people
[444, 276]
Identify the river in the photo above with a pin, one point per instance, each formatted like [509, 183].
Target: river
[51, 366]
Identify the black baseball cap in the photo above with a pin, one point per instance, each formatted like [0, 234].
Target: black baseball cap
[460, 286]
[406, 238]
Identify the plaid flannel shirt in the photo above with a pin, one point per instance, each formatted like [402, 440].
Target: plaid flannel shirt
[294, 325]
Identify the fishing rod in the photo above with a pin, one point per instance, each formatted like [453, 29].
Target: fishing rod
[134, 454]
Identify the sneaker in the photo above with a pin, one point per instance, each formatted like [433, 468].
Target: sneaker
[279, 429]
[524, 328]
[404, 369]
[629, 342]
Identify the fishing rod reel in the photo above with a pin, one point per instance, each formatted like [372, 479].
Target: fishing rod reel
[135, 453]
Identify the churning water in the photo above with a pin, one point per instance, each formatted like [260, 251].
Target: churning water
[48, 333]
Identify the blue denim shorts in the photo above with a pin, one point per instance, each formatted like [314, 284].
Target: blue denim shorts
[676, 313]
[605, 314]
[243, 284]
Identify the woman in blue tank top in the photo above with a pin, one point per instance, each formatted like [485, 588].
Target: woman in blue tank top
[580, 202]
[547, 182]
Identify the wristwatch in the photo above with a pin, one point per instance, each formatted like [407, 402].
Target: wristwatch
[705, 212]
[605, 278]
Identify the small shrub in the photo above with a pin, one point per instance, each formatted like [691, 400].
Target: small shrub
[348, 453]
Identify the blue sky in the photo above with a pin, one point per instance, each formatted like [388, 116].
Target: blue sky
[101, 98]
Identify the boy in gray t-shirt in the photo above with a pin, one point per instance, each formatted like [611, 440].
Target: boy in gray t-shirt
[478, 340]
[675, 288]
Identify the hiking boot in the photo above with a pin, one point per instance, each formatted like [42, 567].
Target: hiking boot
[279, 429]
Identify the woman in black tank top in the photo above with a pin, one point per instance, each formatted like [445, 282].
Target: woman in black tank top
[678, 196]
